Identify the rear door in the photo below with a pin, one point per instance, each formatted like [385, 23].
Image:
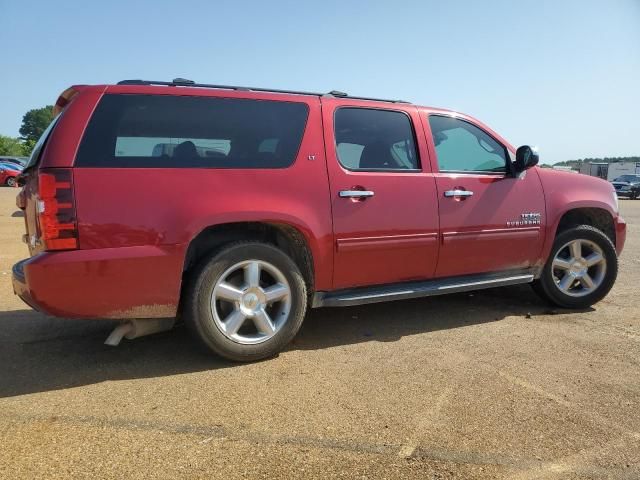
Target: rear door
[383, 195]
[489, 220]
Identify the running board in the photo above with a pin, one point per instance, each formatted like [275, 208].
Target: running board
[403, 291]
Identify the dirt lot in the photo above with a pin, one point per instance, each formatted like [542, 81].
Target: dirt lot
[487, 385]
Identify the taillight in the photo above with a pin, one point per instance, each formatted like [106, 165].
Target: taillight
[56, 210]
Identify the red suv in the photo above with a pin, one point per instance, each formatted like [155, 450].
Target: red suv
[237, 208]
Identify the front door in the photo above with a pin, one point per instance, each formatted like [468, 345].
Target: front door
[383, 196]
[489, 220]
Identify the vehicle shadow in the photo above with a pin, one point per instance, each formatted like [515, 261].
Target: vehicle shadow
[390, 321]
[40, 353]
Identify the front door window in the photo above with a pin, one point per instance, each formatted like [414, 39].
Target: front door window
[463, 147]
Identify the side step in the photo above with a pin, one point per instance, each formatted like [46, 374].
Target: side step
[403, 291]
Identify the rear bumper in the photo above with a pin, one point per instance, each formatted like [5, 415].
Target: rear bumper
[130, 282]
[20, 285]
[621, 234]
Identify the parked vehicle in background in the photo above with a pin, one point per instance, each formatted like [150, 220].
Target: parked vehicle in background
[288, 201]
[9, 173]
[618, 169]
[20, 161]
[627, 186]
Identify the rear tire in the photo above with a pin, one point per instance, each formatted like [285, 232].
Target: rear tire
[246, 302]
[10, 182]
[581, 269]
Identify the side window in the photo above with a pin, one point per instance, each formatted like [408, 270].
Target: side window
[461, 146]
[157, 131]
[370, 139]
[268, 145]
[166, 146]
[37, 149]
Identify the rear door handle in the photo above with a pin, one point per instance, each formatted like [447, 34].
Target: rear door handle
[458, 193]
[355, 193]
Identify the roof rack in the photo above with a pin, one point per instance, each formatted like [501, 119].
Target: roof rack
[183, 82]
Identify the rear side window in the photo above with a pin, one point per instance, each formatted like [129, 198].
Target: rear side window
[199, 132]
[39, 146]
[372, 140]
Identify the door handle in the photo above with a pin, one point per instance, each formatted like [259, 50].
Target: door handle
[355, 193]
[458, 193]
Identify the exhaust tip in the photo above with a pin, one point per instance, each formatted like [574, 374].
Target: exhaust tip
[118, 333]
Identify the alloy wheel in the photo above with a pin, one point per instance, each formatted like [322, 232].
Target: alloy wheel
[579, 268]
[251, 302]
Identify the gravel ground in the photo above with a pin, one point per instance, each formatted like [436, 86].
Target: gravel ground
[486, 385]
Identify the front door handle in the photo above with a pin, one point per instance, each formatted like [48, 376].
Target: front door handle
[355, 193]
[458, 193]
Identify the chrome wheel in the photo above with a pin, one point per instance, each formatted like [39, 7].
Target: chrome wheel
[251, 302]
[579, 268]
[11, 181]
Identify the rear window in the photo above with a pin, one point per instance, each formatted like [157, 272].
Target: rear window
[156, 131]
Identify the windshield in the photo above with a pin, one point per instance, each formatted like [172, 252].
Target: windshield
[628, 178]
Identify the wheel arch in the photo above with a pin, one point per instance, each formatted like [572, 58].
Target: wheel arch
[595, 214]
[596, 217]
[287, 237]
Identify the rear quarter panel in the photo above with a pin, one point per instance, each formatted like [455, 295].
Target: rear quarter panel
[61, 148]
[165, 208]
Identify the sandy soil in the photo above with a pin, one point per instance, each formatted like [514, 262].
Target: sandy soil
[487, 385]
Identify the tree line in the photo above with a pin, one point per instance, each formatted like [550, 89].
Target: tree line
[34, 123]
[578, 163]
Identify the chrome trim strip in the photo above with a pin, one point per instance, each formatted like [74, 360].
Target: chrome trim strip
[492, 230]
[493, 234]
[387, 241]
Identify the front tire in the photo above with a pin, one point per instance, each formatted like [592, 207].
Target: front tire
[246, 302]
[10, 182]
[581, 269]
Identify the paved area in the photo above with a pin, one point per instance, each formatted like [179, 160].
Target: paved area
[486, 385]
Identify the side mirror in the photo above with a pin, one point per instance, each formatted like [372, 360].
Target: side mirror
[526, 157]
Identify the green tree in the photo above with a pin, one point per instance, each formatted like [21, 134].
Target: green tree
[11, 147]
[35, 122]
[27, 147]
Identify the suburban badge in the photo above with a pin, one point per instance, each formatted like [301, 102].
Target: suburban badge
[526, 219]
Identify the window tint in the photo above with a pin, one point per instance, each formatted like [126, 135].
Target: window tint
[172, 131]
[461, 146]
[368, 139]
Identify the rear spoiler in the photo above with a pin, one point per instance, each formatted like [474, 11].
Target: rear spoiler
[65, 98]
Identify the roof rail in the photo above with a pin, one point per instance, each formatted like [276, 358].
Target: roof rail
[183, 82]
